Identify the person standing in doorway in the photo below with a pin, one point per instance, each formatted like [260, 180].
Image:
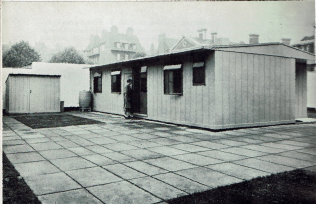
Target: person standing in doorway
[128, 102]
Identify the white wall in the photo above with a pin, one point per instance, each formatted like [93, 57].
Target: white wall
[73, 79]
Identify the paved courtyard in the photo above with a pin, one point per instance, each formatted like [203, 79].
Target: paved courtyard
[137, 161]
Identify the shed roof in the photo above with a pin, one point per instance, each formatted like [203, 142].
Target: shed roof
[44, 75]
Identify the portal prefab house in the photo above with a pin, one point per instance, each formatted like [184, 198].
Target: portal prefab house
[30, 93]
[216, 87]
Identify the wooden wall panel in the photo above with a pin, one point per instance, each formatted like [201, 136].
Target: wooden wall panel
[239, 102]
[244, 88]
[218, 88]
[301, 91]
[250, 92]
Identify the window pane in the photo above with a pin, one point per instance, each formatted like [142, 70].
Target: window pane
[177, 81]
[116, 83]
[97, 85]
[199, 75]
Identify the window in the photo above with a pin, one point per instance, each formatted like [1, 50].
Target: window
[116, 82]
[198, 73]
[118, 57]
[118, 45]
[173, 79]
[97, 82]
[126, 45]
[126, 56]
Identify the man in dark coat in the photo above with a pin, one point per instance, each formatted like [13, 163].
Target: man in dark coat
[128, 103]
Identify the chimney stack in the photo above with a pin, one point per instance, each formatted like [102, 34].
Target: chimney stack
[253, 39]
[129, 31]
[114, 30]
[286, 41]
[202, 34]
[214, 36]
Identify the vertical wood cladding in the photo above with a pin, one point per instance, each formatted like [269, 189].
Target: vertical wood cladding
[254, 89]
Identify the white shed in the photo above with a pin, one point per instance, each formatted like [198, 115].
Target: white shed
[74, 78]
[30, 93]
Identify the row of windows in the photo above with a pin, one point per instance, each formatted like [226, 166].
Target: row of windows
[173, 79]
[121, 57]
[125, 46]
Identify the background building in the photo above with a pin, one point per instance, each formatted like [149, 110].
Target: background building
[112, 46]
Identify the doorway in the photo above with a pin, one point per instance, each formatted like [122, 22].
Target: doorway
[140, 90]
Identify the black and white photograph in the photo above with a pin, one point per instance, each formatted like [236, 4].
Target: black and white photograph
[158, 102]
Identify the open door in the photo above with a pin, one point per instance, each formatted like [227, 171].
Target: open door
[140, 90]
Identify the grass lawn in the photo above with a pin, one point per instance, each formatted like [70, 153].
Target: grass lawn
[298, 186]
[53, 120]
[15, 190]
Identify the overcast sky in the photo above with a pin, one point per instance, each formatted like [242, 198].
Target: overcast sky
[71, 23]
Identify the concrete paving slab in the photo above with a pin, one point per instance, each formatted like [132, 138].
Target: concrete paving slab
[168, 151]
[80, 196]
[308, 150]
[120, 146]
[247, 140]
[237, 171]
[81, 151]
[72, 163]
[230, 142]
[190, 148]
[102, 140]
[142, 154]
[197, 159]
[222, 155]
[145, 168]
[162, 134]
[243, 152]
[125, 138]
[99, 159]
[58, 139]
[294, 143]
[185, 139]
[144, 144]
[281, 146]
[122, 193]
[263, 165]
[124, 171]
[35, 168]
[295, 163]
[51, 183]
[169, 164]
[98, 149]
[25, 157]
[181, 183]
[265, 149]
[165, 141]
[145, 136]
[158, 188]
[67, 144]
[57, 154]
[210, 145]
[118, 157]
[299, 155]
[46, 146]
[38, 140]
[13, 142]
[93, 176]
[208, 177]
[17, 149]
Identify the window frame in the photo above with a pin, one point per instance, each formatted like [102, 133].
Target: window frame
[117, 87]
[177, 74]
[195, 67]
[97, 82]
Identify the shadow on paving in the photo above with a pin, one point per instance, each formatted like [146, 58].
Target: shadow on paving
[53, 120]
[297, 186]
[15, 190]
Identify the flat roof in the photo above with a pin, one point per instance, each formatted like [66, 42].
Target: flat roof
[201, 49]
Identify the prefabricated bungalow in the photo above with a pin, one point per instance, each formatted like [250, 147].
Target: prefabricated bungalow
[211, 87]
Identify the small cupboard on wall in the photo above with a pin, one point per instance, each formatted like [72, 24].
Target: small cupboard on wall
[30, 93]
[212, 88]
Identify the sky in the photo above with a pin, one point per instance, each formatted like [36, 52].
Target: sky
[71, 23]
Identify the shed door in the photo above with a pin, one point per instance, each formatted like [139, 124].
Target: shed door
[44, 94]
[140, 90]
[37, 100]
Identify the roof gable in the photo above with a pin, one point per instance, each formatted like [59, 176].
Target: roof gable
[185, 43]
